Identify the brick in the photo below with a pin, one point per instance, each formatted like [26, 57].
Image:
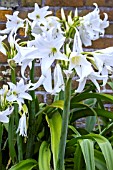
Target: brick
[83, 12]
[102, 43]
[9, 3]
[74, 84]
[3, 13]
[7, 68]
[58, 13]
[2, 68]
[90, 2]
[109, 30]
[40, 88]
[21, 32]
[106, 3]
[18, 72]
[30, 3]
[37, 71]
[3, 58]
[68, 3]
[110, 14]
[6, 76]
[2, 26]
[23, 14]
[40, 98]
[49, 98]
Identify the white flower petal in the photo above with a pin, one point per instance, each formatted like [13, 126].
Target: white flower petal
[8, 111]
[4, 119]
[89, 30]
[95, 83]
[37, 84]
[81, 86]
[48, 81]
[11, 98]
[77, 45]
[25, 96]
[58, 80]
[24, 66]
[22, 127]
[3, 114]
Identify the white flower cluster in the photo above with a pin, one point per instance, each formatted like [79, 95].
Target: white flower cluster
[53, 40]
[15, 93]
[92, 27]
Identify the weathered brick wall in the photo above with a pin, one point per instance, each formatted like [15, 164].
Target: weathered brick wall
[84, 6]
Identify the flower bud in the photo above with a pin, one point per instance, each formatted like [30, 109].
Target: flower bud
[12, 63]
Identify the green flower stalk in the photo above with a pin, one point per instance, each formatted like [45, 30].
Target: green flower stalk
[14, 119]
[65, 120]
[31, 129]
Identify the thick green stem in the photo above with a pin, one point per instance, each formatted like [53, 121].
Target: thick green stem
[31, 129]
[14, 118]
[11, 139]
[19, 138]
[65, 120]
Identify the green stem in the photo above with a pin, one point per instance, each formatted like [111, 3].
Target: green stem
[31, 129]
[19, 138]
[65, 120]
[11, 139]
[14, 118]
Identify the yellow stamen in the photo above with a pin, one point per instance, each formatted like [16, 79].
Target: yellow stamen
[76, 60]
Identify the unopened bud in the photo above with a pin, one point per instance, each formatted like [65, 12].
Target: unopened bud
[12, 63]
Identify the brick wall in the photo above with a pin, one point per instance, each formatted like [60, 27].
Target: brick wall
[84, 6]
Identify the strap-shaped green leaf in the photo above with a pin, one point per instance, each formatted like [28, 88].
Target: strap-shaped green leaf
[104, 144]
[78, 158]
[88, 153]
[99, 160]
[83, 96]
[88, 112]
[55, 128]
[27, 164]
[44, 156]
[58, 104]
[90, 123]
[106, 149]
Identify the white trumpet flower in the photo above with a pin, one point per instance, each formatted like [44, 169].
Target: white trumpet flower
[49, 49]
[92, 27]
[5, 113]
[13, 23]
[57, 79]
[46, 81]
[93, 76]
[104, 61]
[17, 93]
[39, 14]
[22, 127]
[79, 62]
